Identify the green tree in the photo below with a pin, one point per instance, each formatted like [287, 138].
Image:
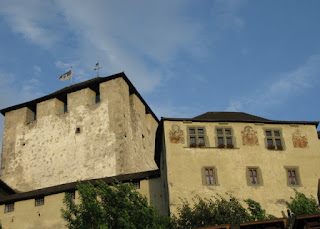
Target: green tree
[104, 206]
[256, 212]
[217, 211]
[300, 204]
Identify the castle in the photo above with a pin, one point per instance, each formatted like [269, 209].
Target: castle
[103, 129]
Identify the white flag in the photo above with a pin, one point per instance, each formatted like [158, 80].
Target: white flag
[66, 76]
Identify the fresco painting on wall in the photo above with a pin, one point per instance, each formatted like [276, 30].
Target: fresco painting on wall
[299, 141]
[249, 137]
[176, 135]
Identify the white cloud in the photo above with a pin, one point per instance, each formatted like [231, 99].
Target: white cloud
[226, 14]
[37, 70]
[169, 110]
[13, 92]
[141, 38]
[32, 19]
[284, 86]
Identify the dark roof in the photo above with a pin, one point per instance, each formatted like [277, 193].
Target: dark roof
[5, 190]
[92, 84]
[236, 117]
[230, 116]
[72, 186]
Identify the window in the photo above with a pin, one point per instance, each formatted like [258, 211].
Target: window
[197, 137]
[136, 184]
[9, 208]
[225, 138]
[39, 201]
[72, 194]
[253, 176]
[293, 177]
[210, 176]
[78, 130]
[274, 140]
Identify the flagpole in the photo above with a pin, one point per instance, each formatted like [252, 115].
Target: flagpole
[71, 76]
[97, 68]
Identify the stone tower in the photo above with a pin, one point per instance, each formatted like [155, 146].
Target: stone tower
[98, 128]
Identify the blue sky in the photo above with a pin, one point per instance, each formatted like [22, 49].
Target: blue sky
[184, 57]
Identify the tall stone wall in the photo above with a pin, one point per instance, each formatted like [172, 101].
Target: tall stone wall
[91, 140]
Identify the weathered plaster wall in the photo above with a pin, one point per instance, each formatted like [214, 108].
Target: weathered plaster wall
[49, 152]
[184, 165]
[27, 216]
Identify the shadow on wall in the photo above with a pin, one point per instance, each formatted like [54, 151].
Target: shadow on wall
[157, 195]
[1, 136]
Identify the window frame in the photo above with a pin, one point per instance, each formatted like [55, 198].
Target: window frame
[204, 176]
[39, 201]
[72, 194]
[9, 207]
[233, 139]
[136, 184]
[274, 138]
[197, 136]
[259, 176]
[297, 172]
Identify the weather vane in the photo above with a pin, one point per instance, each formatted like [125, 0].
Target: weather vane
[97, 68]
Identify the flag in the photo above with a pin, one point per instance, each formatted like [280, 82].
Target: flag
[66, 76]
[97, 67]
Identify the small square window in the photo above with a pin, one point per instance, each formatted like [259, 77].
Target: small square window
[276, 133]
[200, 131]
[228, 132]
[270, 142]
[192, 131]
[9, 208]
[219, 132]
[72, 194]
[136, 185]
[268, 133]
[39, 201]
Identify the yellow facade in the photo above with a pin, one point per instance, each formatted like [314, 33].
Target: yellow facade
[185, 165]
[28, 216]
